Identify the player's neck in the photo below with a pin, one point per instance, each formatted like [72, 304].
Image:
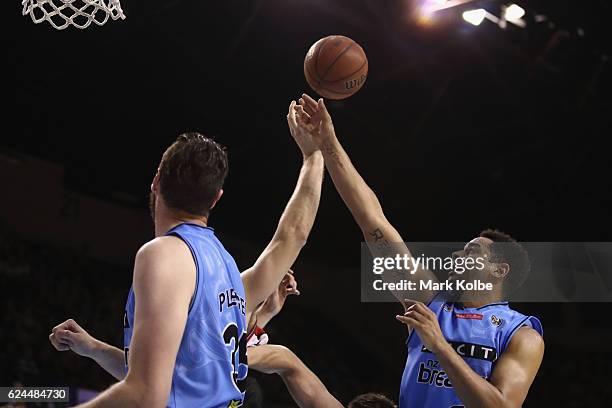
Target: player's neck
[494, 296]
[166, 219]
[474, 305]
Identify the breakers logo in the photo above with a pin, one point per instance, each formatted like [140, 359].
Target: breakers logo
[431, 373]
[477, 351]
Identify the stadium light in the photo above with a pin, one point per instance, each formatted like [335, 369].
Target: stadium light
[437, 5]
[513, 13]
[475, 17]
[431, 6]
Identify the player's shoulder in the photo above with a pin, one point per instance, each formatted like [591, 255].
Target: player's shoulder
[159, 261]
[526, 339]
[164, 249]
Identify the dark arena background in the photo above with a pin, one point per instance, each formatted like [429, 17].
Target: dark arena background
[458, 128]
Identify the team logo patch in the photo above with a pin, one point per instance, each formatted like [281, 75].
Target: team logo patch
[496, 321]
[471, 316]
[448, 307]
[235, 404]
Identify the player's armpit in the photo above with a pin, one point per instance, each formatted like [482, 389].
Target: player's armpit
[517, 367]
[164, 282]
[261, 279]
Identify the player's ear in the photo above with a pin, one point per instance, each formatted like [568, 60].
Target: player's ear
[217, 198]
[501, 270]
[155, 182]
[458, 254]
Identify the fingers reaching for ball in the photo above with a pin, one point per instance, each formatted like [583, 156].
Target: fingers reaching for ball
[310, 105]
[302, 114]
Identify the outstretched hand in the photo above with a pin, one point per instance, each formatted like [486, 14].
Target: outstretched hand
[313, 116]
[299, 132]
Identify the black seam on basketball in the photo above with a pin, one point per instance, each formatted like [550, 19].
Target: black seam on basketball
[348, 76]
[316, 59]
[336, 60]
[314, 77]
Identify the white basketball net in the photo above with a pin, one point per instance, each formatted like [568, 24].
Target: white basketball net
[79, 13]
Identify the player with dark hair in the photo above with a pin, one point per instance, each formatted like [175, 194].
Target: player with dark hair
[186, 315]
[469, 350]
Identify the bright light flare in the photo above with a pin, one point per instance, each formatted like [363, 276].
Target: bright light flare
[427, 10]
[430, 6]
[475, 17]
[513, 13]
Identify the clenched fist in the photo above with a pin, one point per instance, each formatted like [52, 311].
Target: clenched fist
[70, 336]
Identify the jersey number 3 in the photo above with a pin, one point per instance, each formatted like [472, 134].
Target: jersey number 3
[239, 365]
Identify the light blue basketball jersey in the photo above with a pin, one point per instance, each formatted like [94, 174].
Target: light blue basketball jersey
[211, 362]
[480, 335]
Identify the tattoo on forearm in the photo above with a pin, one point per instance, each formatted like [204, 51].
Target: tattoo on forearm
[379, 238]
[331, 152]
[383, 247]
[377, 234]
[381, 243]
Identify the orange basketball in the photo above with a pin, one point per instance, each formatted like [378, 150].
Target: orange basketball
[336, 67]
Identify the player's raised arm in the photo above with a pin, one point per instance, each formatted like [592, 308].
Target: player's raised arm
[382, 238]
[303, 385]
[164, 281]
[294, 226]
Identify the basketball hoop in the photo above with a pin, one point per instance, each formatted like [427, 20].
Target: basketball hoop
[79, 13]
